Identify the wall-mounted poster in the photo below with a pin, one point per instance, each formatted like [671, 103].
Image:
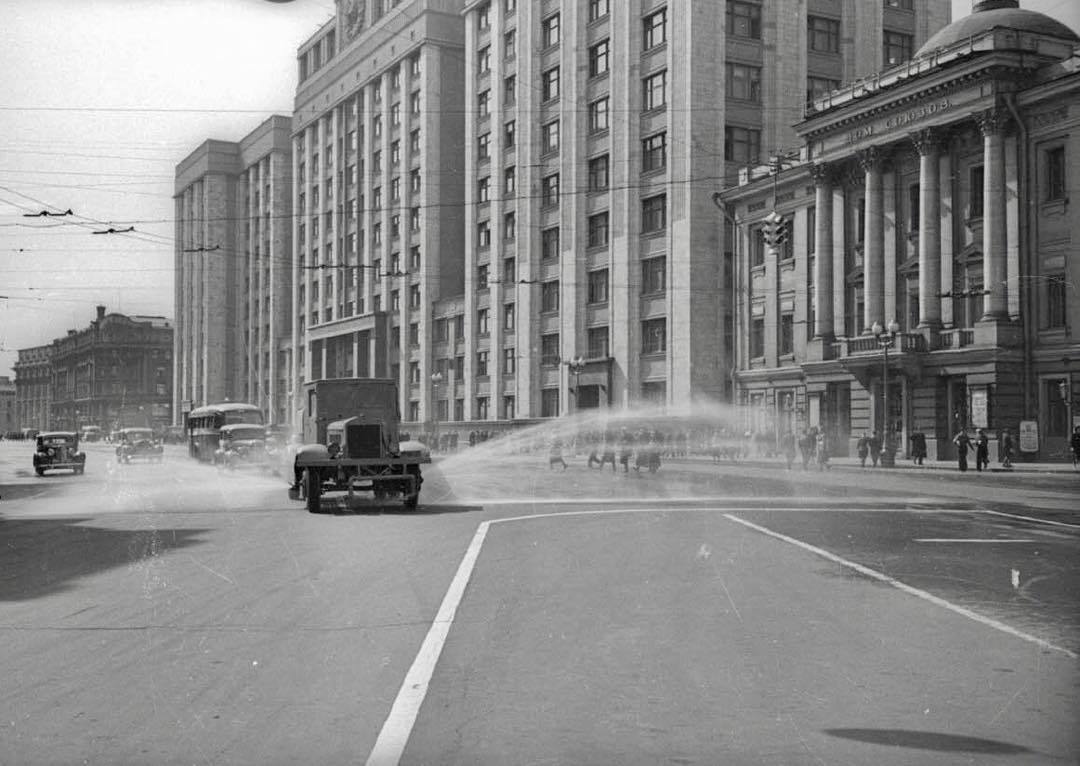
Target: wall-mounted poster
[1029, 436]
[979, 414]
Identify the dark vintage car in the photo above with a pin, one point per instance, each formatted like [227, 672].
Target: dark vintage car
[58, 450]
[241, 445]
[138, 444]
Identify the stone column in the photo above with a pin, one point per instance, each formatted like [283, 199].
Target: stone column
[928, 144]
[873, 240]
[823, 249]
[992, 122]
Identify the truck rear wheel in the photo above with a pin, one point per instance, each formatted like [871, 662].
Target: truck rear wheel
[312, 490]
[412, 498]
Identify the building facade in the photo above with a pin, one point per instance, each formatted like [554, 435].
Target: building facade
[8, 420]
[377, 153]
[597, 134]
[923, 283]
[116, 372]
[233, 260]
[33, 387]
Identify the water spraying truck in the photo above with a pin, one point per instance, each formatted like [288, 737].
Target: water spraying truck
[350, 443]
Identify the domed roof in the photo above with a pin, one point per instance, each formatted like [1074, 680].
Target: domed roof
[988, 14]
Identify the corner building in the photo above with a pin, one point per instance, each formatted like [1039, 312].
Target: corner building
[377, 152]
[234, 273]
[932, 197]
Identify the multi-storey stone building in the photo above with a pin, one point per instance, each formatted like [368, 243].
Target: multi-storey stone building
[115, 372]
[234, 273]
[924, 286]
[8, 421]
[377, 158]
[33, 387]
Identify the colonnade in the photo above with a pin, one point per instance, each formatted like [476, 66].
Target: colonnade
[934, 270]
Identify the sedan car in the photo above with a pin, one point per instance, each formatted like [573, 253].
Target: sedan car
[241, 445]
[58, 450]
[138, 444]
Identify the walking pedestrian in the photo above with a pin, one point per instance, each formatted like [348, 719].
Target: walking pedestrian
[918, 447]
[982, 450]
[807, 445]
[1006, 448]
[787, 444]
[875, 448]
[1075, 444]
[555, 455]
[626, 450]
[963, 444]
[822, 449]
[862, 447]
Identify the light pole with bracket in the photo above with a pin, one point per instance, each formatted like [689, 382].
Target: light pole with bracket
[885, 341]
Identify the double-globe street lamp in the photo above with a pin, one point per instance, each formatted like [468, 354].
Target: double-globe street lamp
[885, 341]
[575, 366]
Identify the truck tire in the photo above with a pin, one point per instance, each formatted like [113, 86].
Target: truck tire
[312, 490]
[40, 471]
[412, 498]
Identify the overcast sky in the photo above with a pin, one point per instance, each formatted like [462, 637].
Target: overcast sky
[99, 101]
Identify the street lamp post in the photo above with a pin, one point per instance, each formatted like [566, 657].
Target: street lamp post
[575, 366]
[885, 341]
[436, 379]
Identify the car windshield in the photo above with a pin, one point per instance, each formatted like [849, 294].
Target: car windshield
[248, 433]
[139, 435]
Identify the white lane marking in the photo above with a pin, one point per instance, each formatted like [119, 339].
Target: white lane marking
[881, 577]
[399, 723]
[968, 540]
[1035, 519]
[396, 730]
[901, 504]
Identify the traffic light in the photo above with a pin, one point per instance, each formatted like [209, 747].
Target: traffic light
[780, 234]
[773, 230]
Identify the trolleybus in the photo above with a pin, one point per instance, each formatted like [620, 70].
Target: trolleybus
[204, 425]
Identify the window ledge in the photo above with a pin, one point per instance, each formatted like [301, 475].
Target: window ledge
[1054, 207]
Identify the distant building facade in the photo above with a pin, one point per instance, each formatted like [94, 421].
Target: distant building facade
[33, 387]
[8, 421]
[115, 372]
[931, 199]
[233, 273]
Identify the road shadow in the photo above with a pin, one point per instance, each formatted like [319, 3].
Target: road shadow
[929, 740]
[41, 557]
[340, 507]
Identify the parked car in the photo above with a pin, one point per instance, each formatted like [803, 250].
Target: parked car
[91, 433]
[58, 450]
[241, 445]
[138, 444]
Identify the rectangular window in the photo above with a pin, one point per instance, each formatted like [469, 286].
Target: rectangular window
[744, 19]
[817, 87]
[483, 234]
[549, 82]
[483, 60]
[757, 337]
[482, 322]
[598, 173]
[550, 30]
[654, 336]
[483, 189]
[509, 271]
[510, 90]
[598, 286]
[483, 104]
[508, 134]
[549, 190]
[414, 141]
[481, 408]
[508, 407]
[1056, 300]
[481, 364]
[598, 115]
[744, 82]
[598, 9]
[598, 230]
[653, 214]
[599, 59]
[509, 226]
[654, 91]
[897, 47]
[913, 208]
[757, 247]
[549, 402]
[742, 145]
[975, 192]
[509, 314]
[483, 145]
[654, 29]
[549, 350]
[787, 334]
[598, 343]
[823, 35]
[549, 243]
[550, 136]
[509, 181]
[510, 44]
[509, 361]
[653, 275]
[483, 17]
[654, 152]
[1055, 174]
[549, 296]
[414, 334]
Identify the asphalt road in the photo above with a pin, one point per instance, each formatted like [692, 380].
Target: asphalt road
[706, 614]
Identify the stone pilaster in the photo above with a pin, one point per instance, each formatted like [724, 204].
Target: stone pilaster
[928, 144]
[873, 239]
